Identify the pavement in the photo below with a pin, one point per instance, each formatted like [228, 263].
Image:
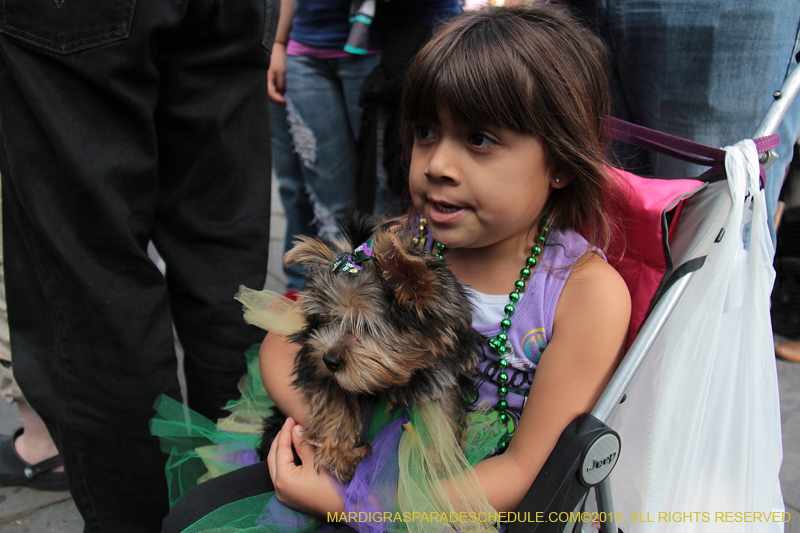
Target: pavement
[29, 511]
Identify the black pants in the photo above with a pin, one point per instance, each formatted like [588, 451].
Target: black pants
[211, 495]
[124, 121]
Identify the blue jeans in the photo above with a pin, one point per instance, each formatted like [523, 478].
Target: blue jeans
[704, 70]
[315, 162]
[291, 188]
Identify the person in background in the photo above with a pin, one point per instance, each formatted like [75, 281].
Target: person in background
[124, 122]
[314, 85]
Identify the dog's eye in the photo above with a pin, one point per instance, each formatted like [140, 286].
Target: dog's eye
[313, 321]
[317, 320]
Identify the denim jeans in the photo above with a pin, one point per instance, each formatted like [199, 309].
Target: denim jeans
[121, 122]
[704, 70]
[323, 118]
[292, 189]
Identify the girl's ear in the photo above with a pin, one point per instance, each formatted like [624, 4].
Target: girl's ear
[308, 251]
[408, 277]
[558, 179]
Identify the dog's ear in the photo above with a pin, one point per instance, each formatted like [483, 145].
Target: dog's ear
[409, 278]
[308, 251]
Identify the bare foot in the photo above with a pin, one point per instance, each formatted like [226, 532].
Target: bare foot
[33, 452]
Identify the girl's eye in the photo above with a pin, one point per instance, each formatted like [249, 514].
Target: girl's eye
[480, 140]
[424, 132]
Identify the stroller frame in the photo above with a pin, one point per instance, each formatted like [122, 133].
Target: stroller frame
[573, 468]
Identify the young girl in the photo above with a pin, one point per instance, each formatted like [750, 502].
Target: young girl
[503, 114]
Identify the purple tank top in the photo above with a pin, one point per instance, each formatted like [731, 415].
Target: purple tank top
[531, 323]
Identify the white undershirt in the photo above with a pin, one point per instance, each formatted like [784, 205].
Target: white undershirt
[488, 308]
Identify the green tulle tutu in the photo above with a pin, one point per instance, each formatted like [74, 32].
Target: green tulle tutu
[417, 479]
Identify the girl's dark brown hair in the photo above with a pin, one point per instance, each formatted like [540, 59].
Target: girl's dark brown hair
[534, 70]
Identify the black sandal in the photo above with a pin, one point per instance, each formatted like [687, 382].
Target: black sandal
[16, 472]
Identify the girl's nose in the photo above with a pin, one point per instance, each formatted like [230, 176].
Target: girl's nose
[442, 165]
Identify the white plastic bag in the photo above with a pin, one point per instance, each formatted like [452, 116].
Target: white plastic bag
[701, 430]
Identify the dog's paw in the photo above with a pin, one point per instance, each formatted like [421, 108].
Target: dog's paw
[342, 462]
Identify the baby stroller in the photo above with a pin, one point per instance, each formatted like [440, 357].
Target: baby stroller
[675, 231]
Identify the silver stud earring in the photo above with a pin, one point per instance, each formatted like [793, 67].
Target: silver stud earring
[558, 180]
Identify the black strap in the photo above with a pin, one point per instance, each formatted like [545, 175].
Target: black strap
[45, 466]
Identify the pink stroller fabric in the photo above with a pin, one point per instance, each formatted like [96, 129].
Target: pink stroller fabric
[641, 253]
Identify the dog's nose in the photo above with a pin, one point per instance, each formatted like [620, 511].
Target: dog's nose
[332, 362]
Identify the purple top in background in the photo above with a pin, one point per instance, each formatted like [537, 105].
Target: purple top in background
[299, 49]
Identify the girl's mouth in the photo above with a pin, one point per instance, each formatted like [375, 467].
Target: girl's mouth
[446, 209]
[444, 213]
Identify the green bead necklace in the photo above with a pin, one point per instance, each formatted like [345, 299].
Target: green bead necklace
[499, 343]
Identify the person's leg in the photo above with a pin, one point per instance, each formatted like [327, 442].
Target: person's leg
[322, 135]
[352, 71]
[705, 71]
[213, 214]
[90, 326]
[92, 379]
[292, 190]
[88, 311]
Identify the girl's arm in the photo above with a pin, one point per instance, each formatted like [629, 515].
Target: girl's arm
[300, 486]
[276, 363]
[589, 328]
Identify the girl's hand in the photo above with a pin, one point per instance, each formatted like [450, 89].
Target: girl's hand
[300, 487]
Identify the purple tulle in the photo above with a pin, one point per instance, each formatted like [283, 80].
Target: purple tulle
[247, 457]
[371, 492]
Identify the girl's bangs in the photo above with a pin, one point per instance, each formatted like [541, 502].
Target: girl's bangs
[473, 76]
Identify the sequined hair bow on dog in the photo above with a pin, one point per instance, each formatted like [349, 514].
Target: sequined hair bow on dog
[350, 262]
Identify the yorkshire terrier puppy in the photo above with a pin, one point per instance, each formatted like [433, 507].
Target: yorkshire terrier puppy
[383, 321]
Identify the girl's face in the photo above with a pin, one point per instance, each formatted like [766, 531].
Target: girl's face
[479, 188]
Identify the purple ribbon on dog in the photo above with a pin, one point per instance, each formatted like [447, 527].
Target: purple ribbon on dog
[350, 262]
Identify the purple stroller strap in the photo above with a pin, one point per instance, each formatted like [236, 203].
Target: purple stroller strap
[679, 148]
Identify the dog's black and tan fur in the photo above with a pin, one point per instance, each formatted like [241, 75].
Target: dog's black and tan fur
[400, 331]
